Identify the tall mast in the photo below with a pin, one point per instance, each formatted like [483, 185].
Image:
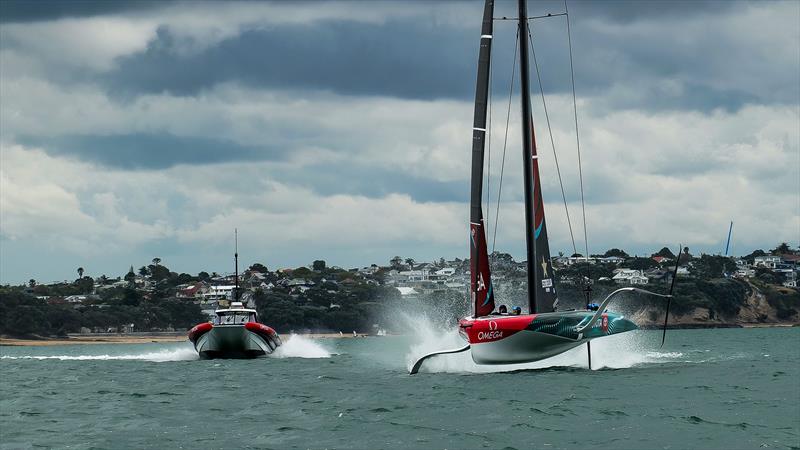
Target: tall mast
[236, 264]
[527, 141]
[480, 278]
[728, 244]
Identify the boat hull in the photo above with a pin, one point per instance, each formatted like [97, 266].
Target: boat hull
[534, 337]
[234, 342]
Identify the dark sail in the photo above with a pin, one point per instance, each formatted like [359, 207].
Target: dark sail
[545, 298]
[541, 288]
[480, 278]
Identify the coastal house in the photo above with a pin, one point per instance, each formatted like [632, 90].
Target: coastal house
[611, 260]
[661, 259]
[218, 292]
[768, 261]
[192, 290]
[629, 276]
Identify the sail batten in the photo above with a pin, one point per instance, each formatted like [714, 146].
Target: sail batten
[481, 292]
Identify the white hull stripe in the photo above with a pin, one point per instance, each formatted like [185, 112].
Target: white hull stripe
[479, 129]
[486, 36]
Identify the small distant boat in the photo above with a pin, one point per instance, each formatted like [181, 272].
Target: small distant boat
[496, 337]
[235, 332]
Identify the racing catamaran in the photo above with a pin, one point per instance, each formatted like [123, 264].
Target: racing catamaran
[495, 338]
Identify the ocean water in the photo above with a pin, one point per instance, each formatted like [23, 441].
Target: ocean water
[728, 388]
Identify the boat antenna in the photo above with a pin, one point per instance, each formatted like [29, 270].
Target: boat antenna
[236, 264]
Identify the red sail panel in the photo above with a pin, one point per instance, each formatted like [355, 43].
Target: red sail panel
[480, 278]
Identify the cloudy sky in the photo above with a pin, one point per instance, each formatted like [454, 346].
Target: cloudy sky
[335, 130]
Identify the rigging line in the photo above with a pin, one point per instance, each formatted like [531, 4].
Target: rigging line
[578, 144]
[505, 141]
[552, 143]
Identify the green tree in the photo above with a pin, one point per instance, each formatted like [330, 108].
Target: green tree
[782, 249]
[156, 261]
[615, 252]
[158, 272]
[85, 285]
[130, 277]
[258, 267]
[143, 271]
[303, 272]
[203, 276]
[80, 272]
[396, 263]
[711, 266]
[665, 252]
[318, 265]
[641, 263]
[685, 256]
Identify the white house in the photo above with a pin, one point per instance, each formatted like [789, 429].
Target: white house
[218, 292]
[446, 272]
[630, 276]
[769, 261]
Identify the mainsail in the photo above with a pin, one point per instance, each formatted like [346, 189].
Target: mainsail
[480, 278]
[545, 298]
[541, 288]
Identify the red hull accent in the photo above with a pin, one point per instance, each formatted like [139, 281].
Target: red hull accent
[199, 330]
[493, 328]
[261, 329]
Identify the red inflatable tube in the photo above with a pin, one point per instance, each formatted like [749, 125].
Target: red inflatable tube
[198, 330]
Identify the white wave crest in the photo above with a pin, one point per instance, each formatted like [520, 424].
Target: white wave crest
[165, 355]
[296, 346]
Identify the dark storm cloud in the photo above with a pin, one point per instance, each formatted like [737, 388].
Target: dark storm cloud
[150, 151]
[421, 59]
[40, 10]
[395, 59]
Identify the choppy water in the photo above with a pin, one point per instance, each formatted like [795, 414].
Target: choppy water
[733, 388]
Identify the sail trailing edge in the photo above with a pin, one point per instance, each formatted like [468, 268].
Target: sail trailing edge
[481, 291]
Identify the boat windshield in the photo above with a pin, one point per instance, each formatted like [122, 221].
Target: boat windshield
[231, 318]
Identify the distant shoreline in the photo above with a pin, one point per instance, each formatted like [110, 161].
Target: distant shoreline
[143, 338]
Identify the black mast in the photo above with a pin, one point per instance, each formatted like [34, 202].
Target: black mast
[236, 265]
[527, 141]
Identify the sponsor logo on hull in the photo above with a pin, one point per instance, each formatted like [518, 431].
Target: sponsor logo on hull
[493, 329]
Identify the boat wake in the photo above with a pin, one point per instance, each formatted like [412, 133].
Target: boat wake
[165, 355]
[296, 346]
[613, 352]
